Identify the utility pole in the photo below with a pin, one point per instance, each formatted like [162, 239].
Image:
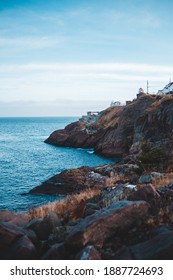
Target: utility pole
[147, 86]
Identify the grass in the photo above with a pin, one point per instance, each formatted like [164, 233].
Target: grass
[68, 207]
[161, 182]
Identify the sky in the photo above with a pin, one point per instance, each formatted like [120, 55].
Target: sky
[64, 58]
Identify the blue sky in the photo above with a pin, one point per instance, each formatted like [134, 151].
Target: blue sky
[67, 57]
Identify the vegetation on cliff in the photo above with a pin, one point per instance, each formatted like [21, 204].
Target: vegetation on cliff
[113, 211]
[120, 131]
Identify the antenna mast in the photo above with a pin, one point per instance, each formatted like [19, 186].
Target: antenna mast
[147, 86]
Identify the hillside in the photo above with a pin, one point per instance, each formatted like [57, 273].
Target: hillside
[120, 131]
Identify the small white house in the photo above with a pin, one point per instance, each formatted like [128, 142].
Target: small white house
[115, 103]
[168, 89]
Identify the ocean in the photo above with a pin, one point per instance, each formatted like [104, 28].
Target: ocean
[26, 161]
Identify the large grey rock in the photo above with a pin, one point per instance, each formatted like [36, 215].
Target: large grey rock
[145, 179]
[120, 192]
[95, 229]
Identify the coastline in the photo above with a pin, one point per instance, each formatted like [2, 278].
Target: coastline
[112, 211]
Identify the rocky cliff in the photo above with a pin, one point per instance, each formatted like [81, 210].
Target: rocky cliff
[119, 131]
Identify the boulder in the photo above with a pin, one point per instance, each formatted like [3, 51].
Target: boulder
[6, 216]
[56, 252]
[52, 219]
[147, 193]
[44, 227]
[95, 229]
[145, 179]
[16, 219]
[88, 253]
[15, 242]
[111, 195]
[22, 249]
[157, 248]
[8, 234]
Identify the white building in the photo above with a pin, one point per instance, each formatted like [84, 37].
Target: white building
[168, 89]
[115, 103]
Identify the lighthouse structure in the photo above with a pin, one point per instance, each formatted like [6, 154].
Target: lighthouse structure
[140, 93]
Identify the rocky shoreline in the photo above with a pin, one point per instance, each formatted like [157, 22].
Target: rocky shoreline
[114, 211]
[119, 131]
[127, 219]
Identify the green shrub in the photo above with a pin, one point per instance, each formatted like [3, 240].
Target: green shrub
[151, 158]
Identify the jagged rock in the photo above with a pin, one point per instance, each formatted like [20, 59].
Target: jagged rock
[44, 227]
[8, 234]
[100, 226]
[119, 131]
[22, 249]
[6, 216]
[157, 248]
[145, 179]
[16, 219]
[120, 192]
[147, 193]
[59, 234]
[56, 252]
[12, 238]
[88, 253]
[91, 208]
[75, 180]
[52, 219]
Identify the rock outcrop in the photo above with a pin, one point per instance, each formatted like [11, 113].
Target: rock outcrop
[16, 243]
[119, 131]
[75, 180]
[98, 227]
[109, 227]
[158, 248]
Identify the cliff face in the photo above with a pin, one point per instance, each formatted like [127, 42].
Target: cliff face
[118, 131]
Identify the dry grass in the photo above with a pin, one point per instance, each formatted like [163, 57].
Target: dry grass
[65, 207]
[161, 182]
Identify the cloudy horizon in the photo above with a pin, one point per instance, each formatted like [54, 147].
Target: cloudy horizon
[66, 57]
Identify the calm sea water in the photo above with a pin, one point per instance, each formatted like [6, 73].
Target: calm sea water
[26, 161]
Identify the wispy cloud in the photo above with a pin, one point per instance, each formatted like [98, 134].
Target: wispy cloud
[89, 67]
[79, 81]
[30, 42]
[137, 18]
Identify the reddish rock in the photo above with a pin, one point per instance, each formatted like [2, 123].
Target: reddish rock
[157, 248]
[100, 226]
[88, 253]
[12, 238]
[22, 249]
[16, 219]
[119, 131]
[75, 180]
[6, 216]
[147, 193]
[8, 234]
[78, 213]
